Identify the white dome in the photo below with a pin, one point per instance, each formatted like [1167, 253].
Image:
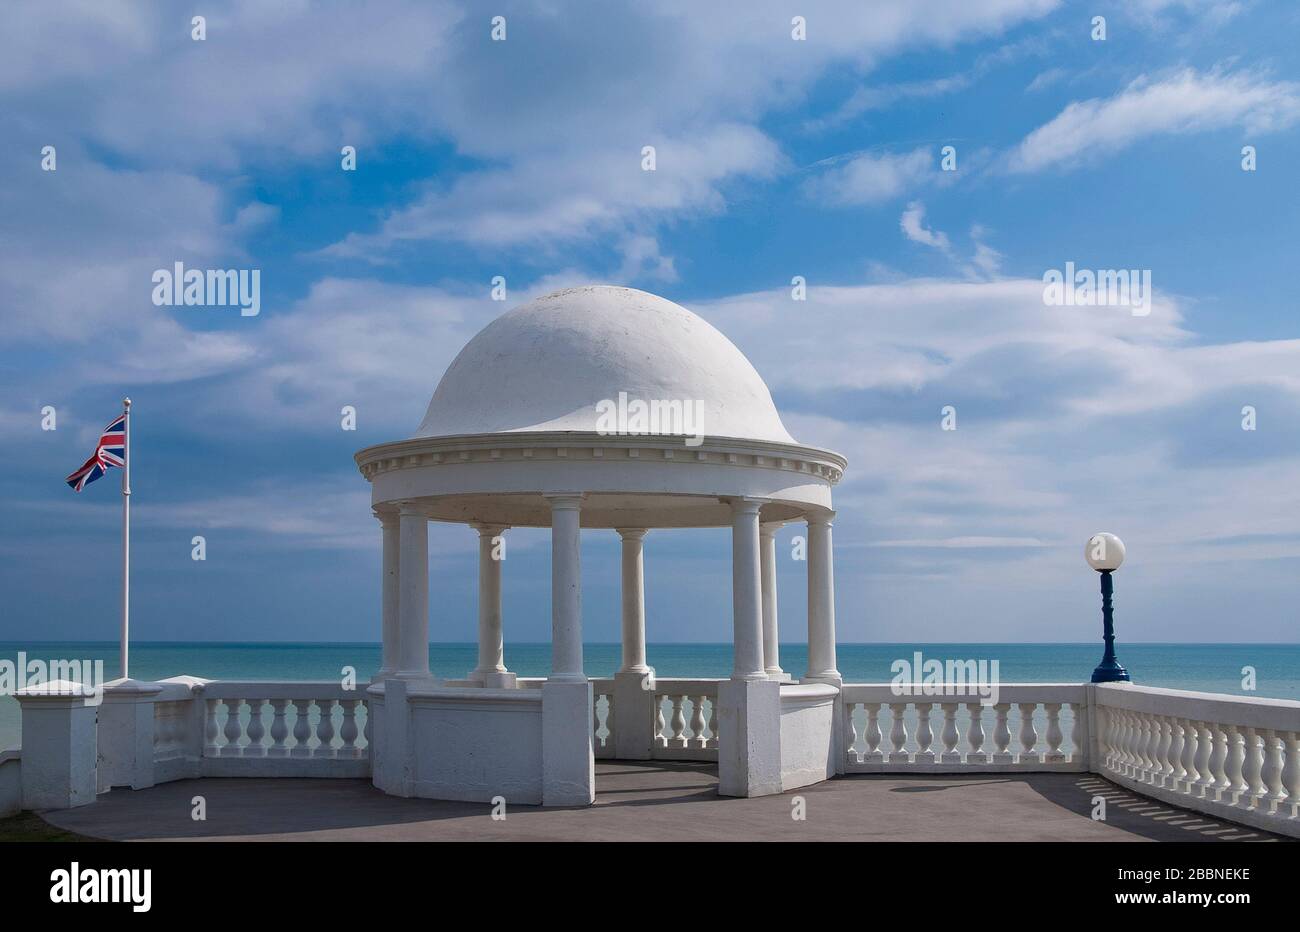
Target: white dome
[546, 365]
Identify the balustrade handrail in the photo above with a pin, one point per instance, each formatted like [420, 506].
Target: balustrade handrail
[1010, 693]
[279, 689]
[1220, 708]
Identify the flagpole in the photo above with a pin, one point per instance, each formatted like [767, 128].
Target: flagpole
[126, 532]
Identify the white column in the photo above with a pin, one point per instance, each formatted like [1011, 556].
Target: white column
[771, 647]
[413, 592]
[566, 588]
[821, 598]
[746, 591]
[491, 660]
[633, 601]
[389, 594]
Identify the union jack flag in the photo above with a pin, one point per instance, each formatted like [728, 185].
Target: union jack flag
[110, 451]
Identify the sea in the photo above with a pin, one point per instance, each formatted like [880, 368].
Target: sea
[1272, 669]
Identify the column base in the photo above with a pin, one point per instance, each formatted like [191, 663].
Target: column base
[494, 679]
[568, 758]
[749, 737]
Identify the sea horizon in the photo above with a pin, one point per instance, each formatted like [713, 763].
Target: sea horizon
[1218, 667]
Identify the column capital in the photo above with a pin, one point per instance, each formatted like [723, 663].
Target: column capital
[631, 533]
[820, 517]
[745, 506]
[385, 516]
[489, 530]
[565, 501]
[410, 509]
[769, 528]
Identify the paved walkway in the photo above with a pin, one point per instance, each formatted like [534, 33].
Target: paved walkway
[657, 802]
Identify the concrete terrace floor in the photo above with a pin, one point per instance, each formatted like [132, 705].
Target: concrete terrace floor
[657, 801]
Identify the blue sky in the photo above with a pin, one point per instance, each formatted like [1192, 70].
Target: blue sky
[775, 158]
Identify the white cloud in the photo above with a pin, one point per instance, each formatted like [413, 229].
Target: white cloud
[913, 226]
[871, 178]
[1185, 102]
[566, 196]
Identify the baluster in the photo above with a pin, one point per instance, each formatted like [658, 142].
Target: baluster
[595, 723]
[1002, 735]
[255, 729]
[850, 734]
[279, 729]
[1140, 747]
[210, 729]
[348, 731]
[365, 704]
[898, 734]
[950, 753]
[1028, 736]
[678, 739]
[873, 754]
[1291, 775]
[1156, 740]
[1164, 739]
[924, 736]
[1078, 728]
[1190, 739]
[1271, 773]
[713, 721]
[1204, 778]
[301, 728]
[697, 722]
[609, 721]
[1177, 774]
[1218, 763]
[1132, 735]
[975, 734]
[1121, 741]
[1106, 738]
[660, 740]
[1236, 760]
[1252, 767]
[1054, 737]
[233, 729]
[325, 728]
[1132, 743]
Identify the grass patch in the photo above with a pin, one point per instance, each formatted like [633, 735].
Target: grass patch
[28, 826]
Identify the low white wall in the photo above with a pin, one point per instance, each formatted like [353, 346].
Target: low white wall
[807, 734]
[11, 783]
[475, 744]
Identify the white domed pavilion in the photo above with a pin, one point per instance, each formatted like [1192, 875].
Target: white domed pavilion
[598, 408]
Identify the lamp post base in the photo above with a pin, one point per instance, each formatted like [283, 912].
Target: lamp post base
[1110, 673]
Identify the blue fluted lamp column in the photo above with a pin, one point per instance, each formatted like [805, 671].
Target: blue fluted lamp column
[1105, 553]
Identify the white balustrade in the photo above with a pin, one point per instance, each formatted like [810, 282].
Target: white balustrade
[682, 729]
[1233, 757]
[961, 732]
[313, 735]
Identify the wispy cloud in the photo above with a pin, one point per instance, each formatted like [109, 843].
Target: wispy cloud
[1184, 102]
